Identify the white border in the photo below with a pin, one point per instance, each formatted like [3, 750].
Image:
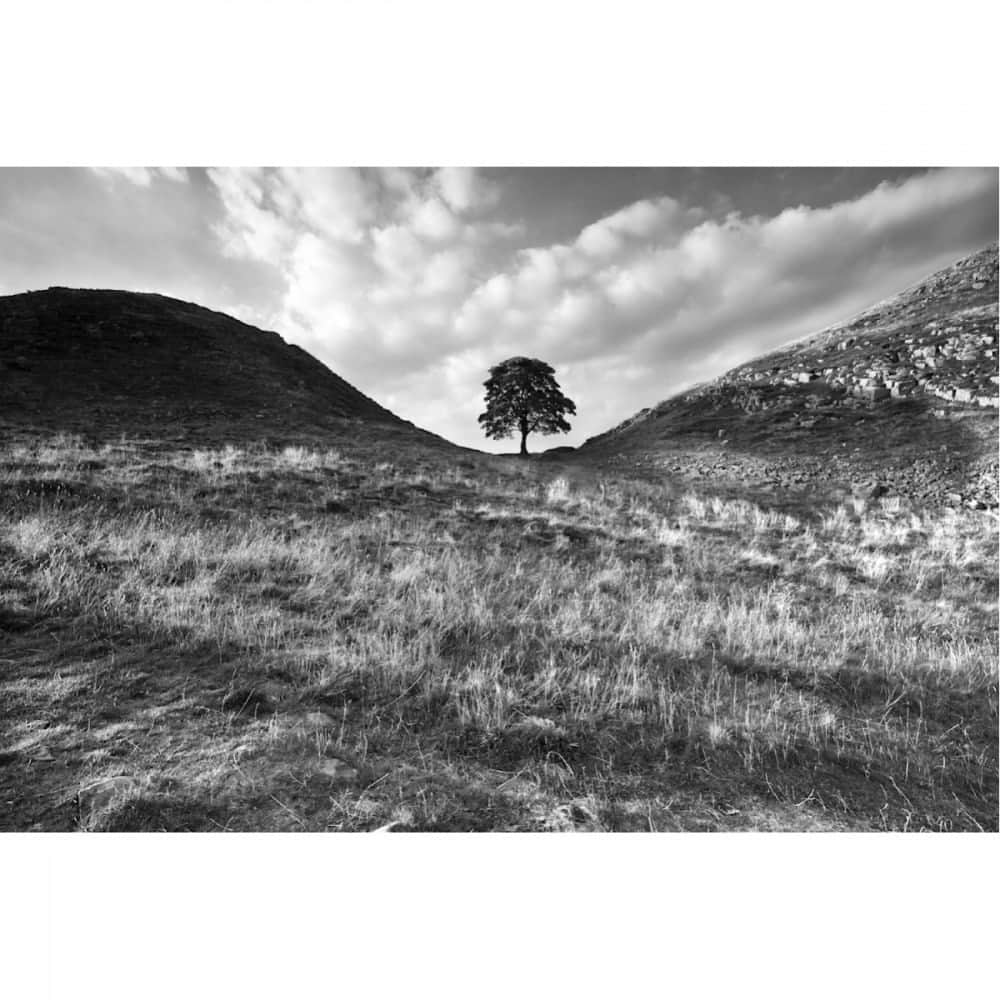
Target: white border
[399, 82]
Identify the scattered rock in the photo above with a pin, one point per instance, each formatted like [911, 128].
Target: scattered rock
[338, 770]
[936, 341]
[577, 815]
[534, 724]
[320, 720]
[869, 491]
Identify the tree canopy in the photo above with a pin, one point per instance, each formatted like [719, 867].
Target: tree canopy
[523, 395]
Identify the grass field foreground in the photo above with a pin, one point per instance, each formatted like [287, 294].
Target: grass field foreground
[292, 638]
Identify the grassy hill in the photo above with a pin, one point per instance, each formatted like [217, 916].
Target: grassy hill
[106, 362]
[322, 619]
[251, 638]
[900, 400]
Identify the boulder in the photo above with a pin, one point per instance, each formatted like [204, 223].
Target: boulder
[338, 770]
[875, 392]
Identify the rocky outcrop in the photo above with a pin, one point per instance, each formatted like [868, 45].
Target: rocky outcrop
[900, 400]
[938, 339]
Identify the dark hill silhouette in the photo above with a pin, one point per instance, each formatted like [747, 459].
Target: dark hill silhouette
[114, 361]
[900, 399]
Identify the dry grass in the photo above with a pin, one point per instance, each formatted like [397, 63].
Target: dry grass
[308, 638]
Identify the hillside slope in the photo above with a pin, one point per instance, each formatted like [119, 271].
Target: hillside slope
[901, 399]
[101, 361]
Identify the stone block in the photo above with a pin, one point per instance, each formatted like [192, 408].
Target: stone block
[875, 392]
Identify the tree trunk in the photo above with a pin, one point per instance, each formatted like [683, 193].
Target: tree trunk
[524, 437]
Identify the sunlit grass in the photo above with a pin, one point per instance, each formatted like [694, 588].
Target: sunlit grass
[464, 623]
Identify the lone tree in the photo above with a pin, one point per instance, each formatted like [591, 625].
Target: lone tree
[522, 394]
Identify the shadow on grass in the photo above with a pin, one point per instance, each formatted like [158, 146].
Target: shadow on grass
[160, 814]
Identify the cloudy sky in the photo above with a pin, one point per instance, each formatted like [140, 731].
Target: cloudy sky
[410, 283]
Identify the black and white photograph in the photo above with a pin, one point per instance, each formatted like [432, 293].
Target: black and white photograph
[498, 500]
[528, 499]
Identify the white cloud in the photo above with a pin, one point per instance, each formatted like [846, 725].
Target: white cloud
[374, 262]
[656, 267]
[402, 280]
[447, 273]
[659, 220]
[321, 280]
[336, 203]
[433, 221]
[465, 189]
[251, 227]
[143, 176]
[398, 252]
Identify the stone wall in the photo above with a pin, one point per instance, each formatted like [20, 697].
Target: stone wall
[937, 339]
